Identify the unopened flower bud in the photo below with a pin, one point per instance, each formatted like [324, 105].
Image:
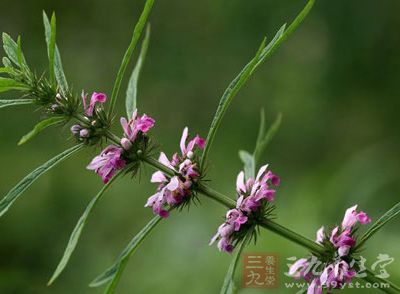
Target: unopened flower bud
[126, 144]
[75, 129]
[190, 154]
[84, 133]
[58, 96]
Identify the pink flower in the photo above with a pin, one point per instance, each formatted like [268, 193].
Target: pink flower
[173, 191]
[135, 125]
[251, 194]
[351, 217]
[315, 287]
[299, 269]
[108, 162]
[253, 191]
[320, 235]
[187, 150]
[96, 98]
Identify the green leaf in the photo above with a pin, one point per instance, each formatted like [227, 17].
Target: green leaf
[227, 98]
[383, 220]
[40, 127]
[249, 164]
[131, 93]
[76, 233]
[15, 102]
[58, 68]
[228, 287]
[13, 50]
[51, 47]
[263, 141]
[128, 54]
[7, 84]
[113, 274]
[7, 62]
[25, 183]
[244, 75]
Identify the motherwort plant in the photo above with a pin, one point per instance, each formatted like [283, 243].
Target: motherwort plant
[181, 178]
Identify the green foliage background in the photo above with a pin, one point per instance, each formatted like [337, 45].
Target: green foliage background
[335, 81]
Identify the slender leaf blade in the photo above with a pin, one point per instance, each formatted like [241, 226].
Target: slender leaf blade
[26, 182]
[280, 36]
[76, 233]
[113, 273]
[12, 50]
[227, 98]
[228, 287]
[263, 143]
[40, 127]
[16, 102]
[249, 163]
[131, 92]
[58, 68]
[383, 220]
[51, 47]
[7, 84]
[128, 54]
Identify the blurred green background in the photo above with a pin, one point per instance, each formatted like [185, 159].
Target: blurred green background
[336, 81]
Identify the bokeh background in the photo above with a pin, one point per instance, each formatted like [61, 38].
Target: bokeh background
[336, 82]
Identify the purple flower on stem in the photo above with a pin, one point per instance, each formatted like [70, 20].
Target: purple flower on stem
[96, 98]
[173, 191]
[135, 125]
[251, 194]
[108, 162]
[337, 273]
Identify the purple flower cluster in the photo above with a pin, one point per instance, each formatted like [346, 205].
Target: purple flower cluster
[111, 158]
[251, 195]
[84, 132]
[339, 272]
[172, 191]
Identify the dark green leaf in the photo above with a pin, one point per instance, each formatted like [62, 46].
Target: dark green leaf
[9, 84]
[243, 76]
[51, 46]
[383, 220]
[263, 142]
[11, 49]
[113, 274]
[58, 68]
[249, 165]
[7, 62]
[228, 287]
[15, 102]
[227, 98]
[25, 183]
[76, 233]
[40, 127]
[131, 93]
[128, 54]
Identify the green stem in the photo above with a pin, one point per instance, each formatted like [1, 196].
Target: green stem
[373, 279]
[270, 225]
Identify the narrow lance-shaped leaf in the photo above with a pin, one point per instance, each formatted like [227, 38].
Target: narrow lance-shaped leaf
[131, 93]
[16, 102]
[26, 182]
[76, 233]
[249, 164]
[40, 127]
[58, 68]
[384, 219]
[264, 141]
[243, 76]
[11, 49]
[51, 47]
[128, 54]
[113, 273]
[7, 84]
[228, 287]
[226, 99]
